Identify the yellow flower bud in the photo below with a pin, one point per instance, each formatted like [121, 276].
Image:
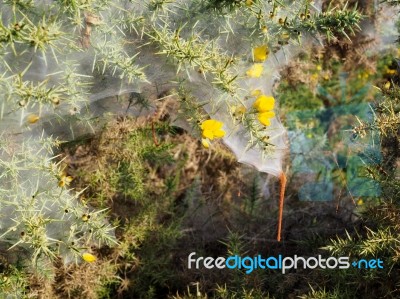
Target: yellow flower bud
[264, 30]
[285, 36]
[256, 93]
[32, 118]
[88, 257]
[391, 72]
[65, 180]
[56, 101]
[205, 143]
[314, 77]
[238, 110]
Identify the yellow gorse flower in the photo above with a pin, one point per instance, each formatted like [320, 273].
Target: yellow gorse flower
[314, 77]
[255, 71]
[264, 103]
[264, 106]
[261, 53]
[265, 117]
[212, 128]
[391, 72]
[88, 257]
[65, 180]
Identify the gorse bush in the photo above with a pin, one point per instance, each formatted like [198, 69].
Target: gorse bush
[111, 39]
[205, 66]
[378, 237]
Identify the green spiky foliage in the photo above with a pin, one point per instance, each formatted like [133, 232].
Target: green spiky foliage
[53, 57]
[378, 237]
[335, 21]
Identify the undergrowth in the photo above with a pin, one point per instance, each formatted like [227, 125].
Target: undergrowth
[114, 213]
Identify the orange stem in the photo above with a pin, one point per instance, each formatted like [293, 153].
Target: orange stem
[282, 179]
